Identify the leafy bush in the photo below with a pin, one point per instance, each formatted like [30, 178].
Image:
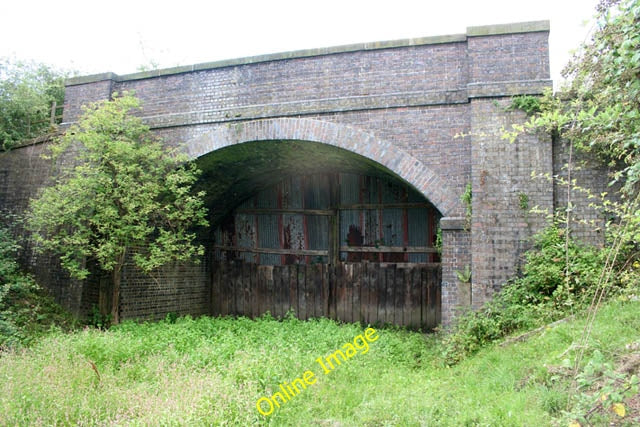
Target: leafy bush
[527, 103]
[27, 92]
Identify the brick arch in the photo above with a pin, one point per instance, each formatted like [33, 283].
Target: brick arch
[398, 161]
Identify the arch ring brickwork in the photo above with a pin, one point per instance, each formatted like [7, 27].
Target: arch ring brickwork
[398, 161]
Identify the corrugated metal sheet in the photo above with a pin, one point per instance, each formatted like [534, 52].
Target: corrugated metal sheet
[292, 193]
[373, 227]
[316, 192]
[246, 235]
[269, 237]
[349, 188]
[418, 231]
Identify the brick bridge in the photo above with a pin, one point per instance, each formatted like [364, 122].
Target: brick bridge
[348, 156]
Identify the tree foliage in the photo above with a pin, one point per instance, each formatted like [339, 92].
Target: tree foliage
[27, 91]
[124, 191]
[599, 110]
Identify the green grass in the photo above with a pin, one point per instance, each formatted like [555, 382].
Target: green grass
[212, 371]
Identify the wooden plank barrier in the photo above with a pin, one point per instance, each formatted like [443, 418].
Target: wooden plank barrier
[372, 293]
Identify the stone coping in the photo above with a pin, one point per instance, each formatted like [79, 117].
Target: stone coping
[487, 30]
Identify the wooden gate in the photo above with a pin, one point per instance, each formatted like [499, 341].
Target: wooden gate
[372, 293]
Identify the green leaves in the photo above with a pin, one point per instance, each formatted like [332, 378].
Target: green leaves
[124, 190]
[27, 91]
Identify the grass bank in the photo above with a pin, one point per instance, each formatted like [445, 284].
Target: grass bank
[212, 371]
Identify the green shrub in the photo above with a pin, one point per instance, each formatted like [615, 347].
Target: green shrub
[527, 103]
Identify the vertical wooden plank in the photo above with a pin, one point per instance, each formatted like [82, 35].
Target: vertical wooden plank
[309, 288]
[261, 297]
[293, 288]
[332, 269]
[416, 273]
[414, 292]
[390, 283]
[372, 289]
[215, 288]
[325, 290]
[340, 291]
[364, 294]
[237, 287]
[348, 294]
[398, 293]
[224, 294]
[271, 301]
[246, 289]
[381, 274]
[284, 285]
[431, 297]
[407, 310]
[318, 297]
[255, 288]
[302, 291]
[277, 292]
[356, 303]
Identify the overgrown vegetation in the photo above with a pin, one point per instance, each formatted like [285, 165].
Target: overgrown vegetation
[124, 191]
[27, 93]
[26, 311]
[545, 292]
[212, 371]
[527, 103]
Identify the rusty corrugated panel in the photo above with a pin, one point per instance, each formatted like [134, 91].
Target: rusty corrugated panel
[392, 227]
[349, 189]
[318, 236]
[418, 231]
[292, 193]
[371, 225]
[316, 192]
[246, 234]
[269, 237]
[268, 198]
[393, 192]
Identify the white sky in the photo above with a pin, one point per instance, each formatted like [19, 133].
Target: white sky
[119, 36]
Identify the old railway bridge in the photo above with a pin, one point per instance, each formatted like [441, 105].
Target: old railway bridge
[329, 173]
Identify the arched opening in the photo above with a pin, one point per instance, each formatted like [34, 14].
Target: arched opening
[319, 230]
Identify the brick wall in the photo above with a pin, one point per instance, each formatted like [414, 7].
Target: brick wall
[501, 182]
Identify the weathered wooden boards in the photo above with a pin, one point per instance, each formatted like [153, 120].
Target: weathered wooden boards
[372, 293]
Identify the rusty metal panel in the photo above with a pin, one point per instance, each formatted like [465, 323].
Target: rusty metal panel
[393, 192]
[268, 198]
[318, 236]
[349, 189]
[418, 231]
[375, 188]
[392, 227]
[393, 233]
[371, 226]
[293, 236]
[292, 193]
[350, 231]
[316, 192]
[269, 237]
[248, 203]
[246, 235]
